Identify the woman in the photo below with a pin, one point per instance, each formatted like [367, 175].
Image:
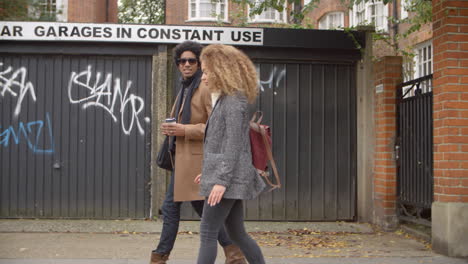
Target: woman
[228, 176]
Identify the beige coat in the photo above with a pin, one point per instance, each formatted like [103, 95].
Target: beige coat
[189, 149]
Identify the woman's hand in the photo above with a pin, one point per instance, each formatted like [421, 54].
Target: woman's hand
[216, 194]
[197, 179]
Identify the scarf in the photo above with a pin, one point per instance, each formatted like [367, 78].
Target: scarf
[188, 86]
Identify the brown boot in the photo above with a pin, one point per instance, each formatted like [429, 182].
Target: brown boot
[234, 255]
[157, 258]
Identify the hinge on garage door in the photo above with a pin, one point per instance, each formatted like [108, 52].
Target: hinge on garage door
[396, 150]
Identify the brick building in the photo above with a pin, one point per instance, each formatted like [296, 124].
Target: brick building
[331, 14]
[201, 12]
[90, 11]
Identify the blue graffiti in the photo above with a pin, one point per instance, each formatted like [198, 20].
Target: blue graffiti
[31, 133]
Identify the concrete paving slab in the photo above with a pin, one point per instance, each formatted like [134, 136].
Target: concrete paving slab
[395, 260]
[142, 226]
[130, 242]
[285, 247]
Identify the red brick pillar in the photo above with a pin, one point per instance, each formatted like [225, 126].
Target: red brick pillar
[387, 76]
[450, 207]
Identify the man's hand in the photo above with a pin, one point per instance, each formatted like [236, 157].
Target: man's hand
[216, 194]
[173, 129]
[197, 179]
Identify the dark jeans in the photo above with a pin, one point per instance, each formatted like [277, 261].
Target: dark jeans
[171, 219]
[230, 213]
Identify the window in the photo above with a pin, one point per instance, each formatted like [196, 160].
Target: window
[423, 59]
[332, 20]
[50, 10]
[404, 5]
[419, 67]
[360, 13]
[47, 7]
[408, 69]
[372, 12]
[270, 15]
[208, 10]
[377, 17]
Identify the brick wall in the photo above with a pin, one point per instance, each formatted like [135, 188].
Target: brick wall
[92, 11]
[113, 11]
[409, 42]
[387, 75]
[177, 14]
[450, 26]
[325, 7]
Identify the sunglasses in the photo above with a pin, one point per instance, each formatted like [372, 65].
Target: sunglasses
[191, 61]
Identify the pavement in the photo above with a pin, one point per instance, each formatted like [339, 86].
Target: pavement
[131, 241]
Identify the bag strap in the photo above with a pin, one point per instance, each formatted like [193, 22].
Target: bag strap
[254, 117]
[272, 161]
[170, 153]
[172, 159]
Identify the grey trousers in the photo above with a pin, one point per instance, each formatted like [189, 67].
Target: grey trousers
[230, 213]
[171, 220]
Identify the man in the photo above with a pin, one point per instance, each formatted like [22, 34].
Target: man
[191, 110]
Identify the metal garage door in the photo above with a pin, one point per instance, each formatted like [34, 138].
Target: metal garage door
[75, 136]
[312, 111]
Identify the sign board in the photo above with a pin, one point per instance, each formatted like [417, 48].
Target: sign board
[379, 88]
[51, 31]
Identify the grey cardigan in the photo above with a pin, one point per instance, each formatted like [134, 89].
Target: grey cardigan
[227, 159]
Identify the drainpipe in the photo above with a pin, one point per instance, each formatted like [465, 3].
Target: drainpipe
[107, 10]
[395, 25]
[164, 14]
[297, 10]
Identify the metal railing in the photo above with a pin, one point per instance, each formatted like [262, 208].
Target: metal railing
[414, 151]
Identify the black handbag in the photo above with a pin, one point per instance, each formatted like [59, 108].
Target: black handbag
[165, 158]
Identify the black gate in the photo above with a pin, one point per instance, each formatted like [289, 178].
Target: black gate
[415, 151]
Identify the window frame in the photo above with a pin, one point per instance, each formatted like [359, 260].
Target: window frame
[418, 64]
[403, 5]
[218, 11]
[327, 16]
[361, 14]
[424, 56]
[276, 20]
[61, 9]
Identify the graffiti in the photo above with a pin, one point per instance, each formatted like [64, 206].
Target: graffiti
[30, 133]
[273, 81]
[14, 83]
[105, 92]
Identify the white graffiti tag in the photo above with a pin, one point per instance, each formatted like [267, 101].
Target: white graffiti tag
[274, 79]
[107, 95]
[14, 83]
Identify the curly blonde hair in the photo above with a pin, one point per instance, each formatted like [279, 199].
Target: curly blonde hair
[230, 70]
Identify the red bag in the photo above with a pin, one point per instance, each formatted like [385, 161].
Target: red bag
[260, 144]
